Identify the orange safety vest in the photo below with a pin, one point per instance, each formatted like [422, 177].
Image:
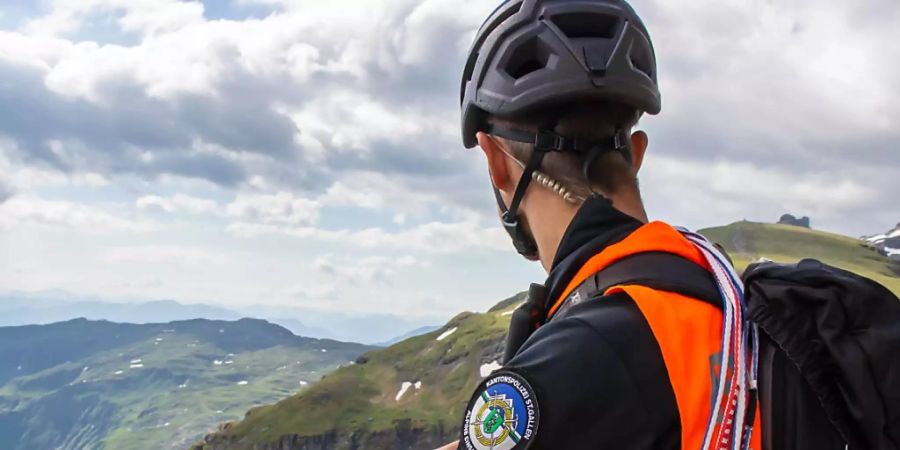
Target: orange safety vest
[688, 331]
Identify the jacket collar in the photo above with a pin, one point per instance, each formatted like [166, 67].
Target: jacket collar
[596, 225]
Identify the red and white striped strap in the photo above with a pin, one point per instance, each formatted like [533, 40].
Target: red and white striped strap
[728, 427]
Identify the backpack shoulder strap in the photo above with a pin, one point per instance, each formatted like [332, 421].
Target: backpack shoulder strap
[657, 270]
[733, 411]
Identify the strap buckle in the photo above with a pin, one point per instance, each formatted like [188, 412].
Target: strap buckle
[620, 140]
[548, 140]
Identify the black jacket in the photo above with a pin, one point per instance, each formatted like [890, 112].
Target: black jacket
[594, 374]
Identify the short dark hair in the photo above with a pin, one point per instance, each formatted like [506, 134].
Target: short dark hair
[592, 121]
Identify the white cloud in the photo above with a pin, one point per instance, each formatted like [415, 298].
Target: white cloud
[33, 51]
[433, 237]
[769, 107]
[88, 69]
[148, 17]
[372, 269]
[27, 210]
[5, 191]
[412, 199]
[340, 194]
[353, 120]
[334, 80]
[282, 208]
[701, 193]
[92, 179]
[312, 291]
[431, 21]
[797, 85]
[438, 237]
[18, 175]
[794, 83]
[382, 192]
[178, 203]
[164, 254]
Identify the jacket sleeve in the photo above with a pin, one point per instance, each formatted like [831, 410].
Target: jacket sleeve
[599, 380]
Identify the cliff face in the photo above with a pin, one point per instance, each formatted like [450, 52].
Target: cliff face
[403, 437]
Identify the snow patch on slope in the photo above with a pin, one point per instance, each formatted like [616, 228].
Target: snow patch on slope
[404, 386]
[489, 368]
[879, 238]
[446, 334]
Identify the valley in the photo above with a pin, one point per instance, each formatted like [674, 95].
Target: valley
[83, 384]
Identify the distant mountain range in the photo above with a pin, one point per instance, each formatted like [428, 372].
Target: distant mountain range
[417, 332]
[23, 308]
[16, 310]
[81, 385]
[411, 395]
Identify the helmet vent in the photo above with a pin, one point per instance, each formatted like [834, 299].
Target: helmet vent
[640, 60]
[527, 58]
[485, 32]
[586, 25]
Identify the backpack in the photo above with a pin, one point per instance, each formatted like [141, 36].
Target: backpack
[828, 346]
[829, 365]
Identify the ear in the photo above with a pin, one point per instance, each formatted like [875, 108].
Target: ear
[639, 142]
[497, 164]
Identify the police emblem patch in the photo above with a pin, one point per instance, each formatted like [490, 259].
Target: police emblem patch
[503, 414]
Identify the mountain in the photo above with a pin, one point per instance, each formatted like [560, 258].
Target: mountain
[26, 308]
[748, 241]
[301, 329]
[31, 309]
[86, 384]
[405, 336]
[411, 395]
[408, 396]
[343, 326]
[888, 243]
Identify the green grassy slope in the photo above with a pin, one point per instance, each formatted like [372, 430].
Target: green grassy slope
[356, 407]
[748, 241]
[361, 400]
[93, 385]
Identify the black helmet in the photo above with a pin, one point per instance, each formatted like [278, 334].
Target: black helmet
[534, 53]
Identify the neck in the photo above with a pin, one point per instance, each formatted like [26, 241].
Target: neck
[554, 218]
[550, 225]
[629, 202]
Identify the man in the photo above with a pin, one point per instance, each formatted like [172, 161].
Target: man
[551, 92]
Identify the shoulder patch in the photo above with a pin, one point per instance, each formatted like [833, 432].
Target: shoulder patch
[503, 414]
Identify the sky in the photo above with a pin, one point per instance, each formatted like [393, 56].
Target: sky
[307, 153]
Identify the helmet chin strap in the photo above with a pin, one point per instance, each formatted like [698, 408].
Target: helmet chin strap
[544, 142]
[522, 240]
